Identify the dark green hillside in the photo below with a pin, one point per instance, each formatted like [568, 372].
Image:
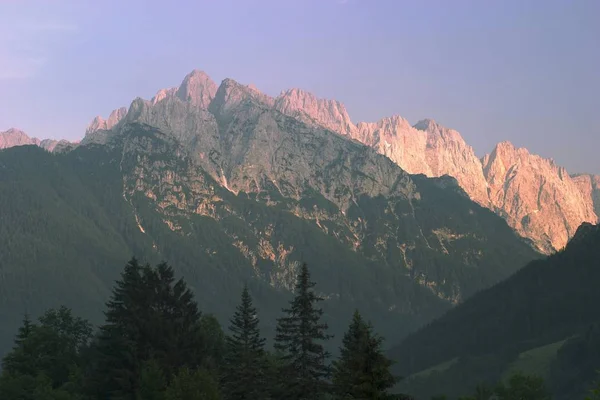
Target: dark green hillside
[533, 311]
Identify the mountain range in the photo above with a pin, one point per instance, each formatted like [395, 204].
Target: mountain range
[537, 198]
[232, 187]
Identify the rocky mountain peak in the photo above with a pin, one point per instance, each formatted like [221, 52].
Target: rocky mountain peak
[538, 198]
[589, 185]
[433, 128]
[232, 94]
[99, 123]
[163, 94]
[197, 88]
[16, 137]
[330, 114]
[427, 125]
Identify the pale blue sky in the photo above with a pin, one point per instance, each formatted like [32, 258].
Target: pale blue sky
[517, 70]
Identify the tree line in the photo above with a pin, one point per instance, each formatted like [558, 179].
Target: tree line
[155, 344]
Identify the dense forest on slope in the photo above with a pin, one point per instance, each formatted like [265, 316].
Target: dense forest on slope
[530, 315]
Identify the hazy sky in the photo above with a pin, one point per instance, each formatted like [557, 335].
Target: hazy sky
[517, 70]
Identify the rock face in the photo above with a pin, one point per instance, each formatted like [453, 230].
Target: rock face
[536, 197]
[590, 188]
[99, 123]
[329, 113]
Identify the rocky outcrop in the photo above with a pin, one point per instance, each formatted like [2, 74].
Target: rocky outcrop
[537, 197]
[99, 123]
[590, 188]
[197, 88]
[329, 113]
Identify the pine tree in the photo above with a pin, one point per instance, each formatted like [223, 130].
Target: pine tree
[149, 316]
[244, 370]
[24, 330]
[299, 337]
[362, 371]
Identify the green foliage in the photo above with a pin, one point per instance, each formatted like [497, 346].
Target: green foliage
[211, 342]
[150, 316]
[47, 359]
[300, 334]
[152, 382]
[193, 385]
[362, 371]
[595, 391]
[245, 365]
[522, 387]
[574, 368]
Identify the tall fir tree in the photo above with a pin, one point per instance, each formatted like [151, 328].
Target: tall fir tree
[362, 371]
[24, 330]
[300, 337]
[244, 370]
[150, 316]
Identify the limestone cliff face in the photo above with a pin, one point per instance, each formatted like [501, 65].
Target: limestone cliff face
[433, 150]
[590, 188]
[329, 113]
[426, 148]
[537, 197]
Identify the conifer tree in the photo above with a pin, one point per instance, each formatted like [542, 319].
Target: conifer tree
[24, 330]
[149, 316]
[299, 338]
[362, 371]
[244, 369]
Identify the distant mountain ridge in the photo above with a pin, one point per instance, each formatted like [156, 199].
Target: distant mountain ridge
[15, 137]
[536, 197]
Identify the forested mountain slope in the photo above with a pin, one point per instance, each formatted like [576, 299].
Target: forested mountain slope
[539, 307]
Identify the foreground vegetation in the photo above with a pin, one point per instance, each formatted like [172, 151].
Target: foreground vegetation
[155, 344]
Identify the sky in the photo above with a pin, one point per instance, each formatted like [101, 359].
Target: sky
[495, 70]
